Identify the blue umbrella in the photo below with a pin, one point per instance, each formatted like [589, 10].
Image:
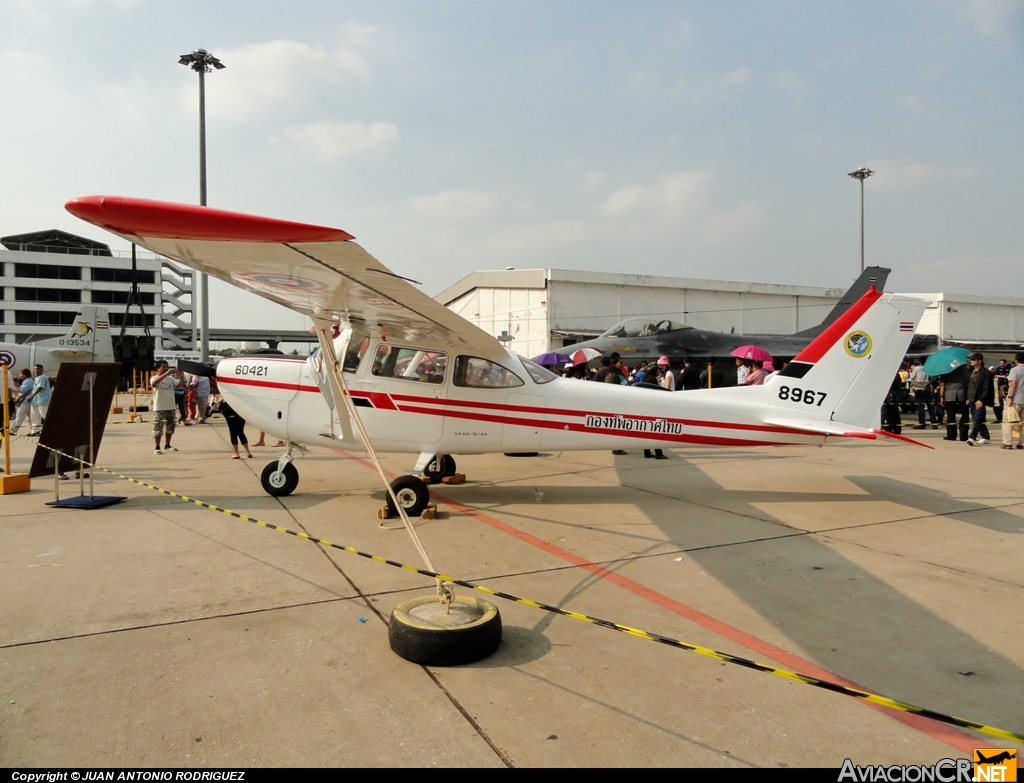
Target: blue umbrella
[946, 360]
[551, 358]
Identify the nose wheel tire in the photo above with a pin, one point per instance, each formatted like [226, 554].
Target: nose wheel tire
[412, 495]
[440, 467]
[279, 483]
[422, 631]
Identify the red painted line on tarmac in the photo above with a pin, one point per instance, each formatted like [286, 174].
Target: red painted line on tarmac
[948, 734]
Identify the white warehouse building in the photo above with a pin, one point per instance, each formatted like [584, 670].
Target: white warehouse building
[539, 310]
[546, 309]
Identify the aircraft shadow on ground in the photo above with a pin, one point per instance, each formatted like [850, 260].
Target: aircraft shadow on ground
[845, 618]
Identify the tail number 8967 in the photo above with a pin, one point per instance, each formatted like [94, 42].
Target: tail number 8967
[806, 396]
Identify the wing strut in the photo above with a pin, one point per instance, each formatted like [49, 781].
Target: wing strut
[340, 390]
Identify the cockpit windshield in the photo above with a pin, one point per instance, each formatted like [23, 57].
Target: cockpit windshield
[643, 327]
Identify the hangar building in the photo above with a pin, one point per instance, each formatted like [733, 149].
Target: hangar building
[537, 310]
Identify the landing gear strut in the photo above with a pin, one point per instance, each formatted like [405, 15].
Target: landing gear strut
[440, 467]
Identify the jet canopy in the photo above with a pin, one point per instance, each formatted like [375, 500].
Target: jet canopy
[643, 327]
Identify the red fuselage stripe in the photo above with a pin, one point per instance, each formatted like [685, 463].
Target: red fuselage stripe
[449, 404]
[443, 407]
[267, 384]
[574, 427]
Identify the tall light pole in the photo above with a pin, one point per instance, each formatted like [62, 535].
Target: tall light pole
[202, 62]
[862, 174]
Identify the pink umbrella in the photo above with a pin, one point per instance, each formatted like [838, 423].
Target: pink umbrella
[584, 355]
[753, 353]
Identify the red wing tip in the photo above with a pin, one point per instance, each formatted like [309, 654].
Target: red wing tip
[865, 435]
[169, 220]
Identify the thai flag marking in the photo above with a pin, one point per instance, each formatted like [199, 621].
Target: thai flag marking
[906, 326]
[101, 324]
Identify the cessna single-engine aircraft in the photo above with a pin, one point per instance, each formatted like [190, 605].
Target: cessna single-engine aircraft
[640, 339]
[417, 378]
[88, 340]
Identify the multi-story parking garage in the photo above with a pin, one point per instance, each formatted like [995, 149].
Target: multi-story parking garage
[46, 275]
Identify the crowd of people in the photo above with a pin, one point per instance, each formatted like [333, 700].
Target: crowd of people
[182, 399]
[695, 373]
[177, 398]
[705, 375]
[30, 395]
[961, 399]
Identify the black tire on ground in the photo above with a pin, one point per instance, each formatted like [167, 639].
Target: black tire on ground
[412, 495]
[281, 483]
[441, 466]
[422, 632]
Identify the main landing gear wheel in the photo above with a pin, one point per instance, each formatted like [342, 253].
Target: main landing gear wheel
[412, 495]
[440, 467]
[423, 631]
[279, 483]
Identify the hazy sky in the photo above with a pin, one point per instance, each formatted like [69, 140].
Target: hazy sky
[700, 139]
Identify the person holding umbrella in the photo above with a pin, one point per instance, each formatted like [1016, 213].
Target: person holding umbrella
[949, 365]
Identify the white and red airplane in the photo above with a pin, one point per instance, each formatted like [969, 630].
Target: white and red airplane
[427, 382]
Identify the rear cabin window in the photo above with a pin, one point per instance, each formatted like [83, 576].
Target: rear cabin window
[474, 373]
[409, 364]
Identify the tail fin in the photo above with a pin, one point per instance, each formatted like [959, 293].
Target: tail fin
[89, 336]
[871, 277]
[845, 373]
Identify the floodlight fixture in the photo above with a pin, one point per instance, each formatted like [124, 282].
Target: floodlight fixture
[861, 174]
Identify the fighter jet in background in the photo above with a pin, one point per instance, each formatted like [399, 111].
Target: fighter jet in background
[644, 339]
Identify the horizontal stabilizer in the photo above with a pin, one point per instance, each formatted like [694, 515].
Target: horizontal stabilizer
[822, 427]
[838, 429]
[70, 353]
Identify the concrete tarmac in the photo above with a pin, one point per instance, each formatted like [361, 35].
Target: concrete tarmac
[157, 633]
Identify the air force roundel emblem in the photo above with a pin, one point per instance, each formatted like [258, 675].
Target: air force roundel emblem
[857, 344]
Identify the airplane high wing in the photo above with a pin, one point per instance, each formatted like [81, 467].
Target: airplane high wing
[314, 270]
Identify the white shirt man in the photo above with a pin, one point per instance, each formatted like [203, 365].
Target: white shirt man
[164, 405]
[1015, 400]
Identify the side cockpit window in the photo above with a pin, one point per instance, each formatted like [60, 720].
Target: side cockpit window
[474, 373]
[411, 364]
[357, 345]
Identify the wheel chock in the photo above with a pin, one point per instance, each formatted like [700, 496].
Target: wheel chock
[384, 513]
[426, 479]
[14, 483]
[458, 478]
[430, 512]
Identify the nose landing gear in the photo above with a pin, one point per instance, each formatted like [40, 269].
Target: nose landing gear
[279, 482]
[280, 477]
